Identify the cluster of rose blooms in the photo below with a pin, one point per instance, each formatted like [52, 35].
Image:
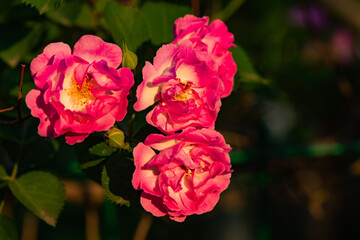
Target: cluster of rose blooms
[180, 173]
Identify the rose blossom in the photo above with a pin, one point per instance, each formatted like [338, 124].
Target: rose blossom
[184, 84]
[79, 92]
[215, 39]
[187, 174]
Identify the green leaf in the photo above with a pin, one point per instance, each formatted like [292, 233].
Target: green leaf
[126, 22]
[160, 17]
[4, 178]
[3, 173]
[43, 5]
[105, 183]
[246, 73]
[20, 46]
[252, 78]
[42, 193]
[130, 59]
[101, 4]
[101, 149]
[91, 163]
[242, 60]
[73, 13]
[120, 172]
[8, 229]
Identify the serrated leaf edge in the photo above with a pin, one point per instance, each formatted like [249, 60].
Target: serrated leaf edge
[51, 223]
[109, 194]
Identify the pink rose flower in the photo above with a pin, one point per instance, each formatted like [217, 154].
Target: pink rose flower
[185, 86]
[79, 92]
[214, 39]
[187, 175]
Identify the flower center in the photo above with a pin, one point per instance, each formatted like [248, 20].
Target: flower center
[185, 94]
[187, 170]
[75, 98]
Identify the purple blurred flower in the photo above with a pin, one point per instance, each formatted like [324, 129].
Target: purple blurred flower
[316, 18]
[297, 16]
[312, 16]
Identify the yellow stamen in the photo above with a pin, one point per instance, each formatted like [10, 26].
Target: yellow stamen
[76, 98]
[184, 95]
[188, 172]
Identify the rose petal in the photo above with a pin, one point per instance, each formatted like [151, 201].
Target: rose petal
[51, 53]
[152, 204]
[92, 48]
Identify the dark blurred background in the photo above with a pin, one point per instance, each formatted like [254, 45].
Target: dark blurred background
[292, 121]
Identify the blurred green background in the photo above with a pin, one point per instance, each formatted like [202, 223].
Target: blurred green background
[292, 121]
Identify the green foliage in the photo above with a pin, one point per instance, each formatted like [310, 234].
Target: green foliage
[126, 22]
[43, 5]
[242, 60]
[246, 73]
[3, 174]
[152, 21]
[160, 17]
[13, 52]
[91, 163]
[304, 72]
[8, 229]
[101, 149]
[114, 198]
[74, 13]
[42, 193]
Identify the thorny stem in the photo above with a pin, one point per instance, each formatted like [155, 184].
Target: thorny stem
[20, 119]
[7, 109]
[18, 104]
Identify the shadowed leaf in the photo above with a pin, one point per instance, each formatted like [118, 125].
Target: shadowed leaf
[14, 53]
[101, 149]
[126, 22]
[8, 230]
[105, 183]
[43, 5]
[73, 13]
[160, 17]
[91, 163]
[242, 60]
[3, 173]
[42, 193]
